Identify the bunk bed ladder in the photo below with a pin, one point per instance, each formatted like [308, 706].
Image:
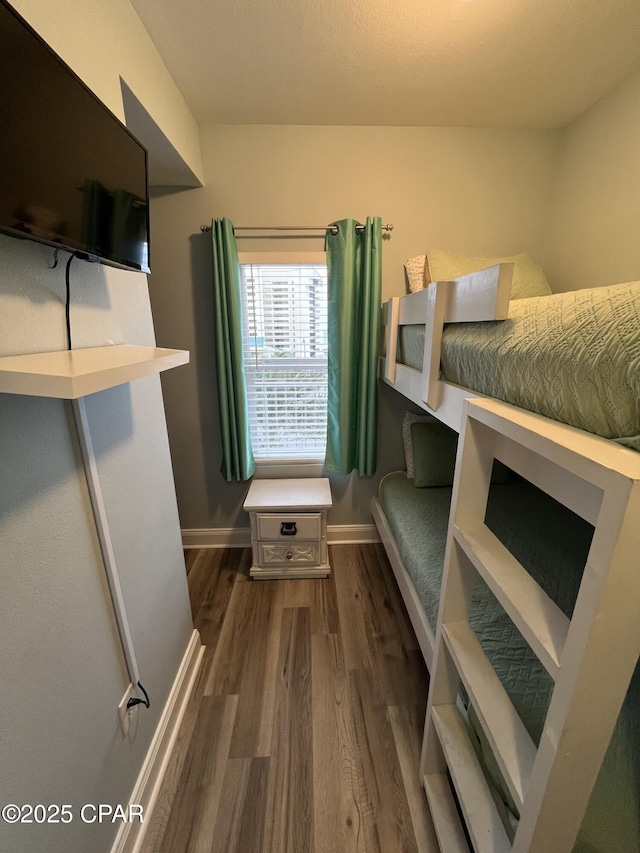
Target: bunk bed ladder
[550, 784]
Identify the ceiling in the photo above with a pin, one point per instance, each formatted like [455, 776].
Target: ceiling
[517, 63]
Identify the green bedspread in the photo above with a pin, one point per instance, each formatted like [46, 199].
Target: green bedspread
[573, 357]
[552, 544]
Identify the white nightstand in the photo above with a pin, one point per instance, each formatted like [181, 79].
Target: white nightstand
[289, 528]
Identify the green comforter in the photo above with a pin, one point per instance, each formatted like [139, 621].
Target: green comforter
[573, 357]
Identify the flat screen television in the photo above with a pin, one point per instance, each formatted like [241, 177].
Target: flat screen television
[71, 174]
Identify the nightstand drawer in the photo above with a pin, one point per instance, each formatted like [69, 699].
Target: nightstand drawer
[291, 527]
[305, 553]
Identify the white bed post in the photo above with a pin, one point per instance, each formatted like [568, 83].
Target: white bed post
[391, 317]
[437, 297]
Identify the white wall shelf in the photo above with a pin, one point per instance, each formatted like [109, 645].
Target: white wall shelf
[70, 374]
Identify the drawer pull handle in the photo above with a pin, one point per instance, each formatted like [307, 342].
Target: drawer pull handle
[289, 555]
[288, 528]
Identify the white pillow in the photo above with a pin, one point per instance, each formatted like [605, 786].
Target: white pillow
[414, 267]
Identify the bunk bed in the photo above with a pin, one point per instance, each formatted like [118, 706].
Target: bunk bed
[523, 587]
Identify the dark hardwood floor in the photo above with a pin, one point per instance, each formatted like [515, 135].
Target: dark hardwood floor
[303, 734]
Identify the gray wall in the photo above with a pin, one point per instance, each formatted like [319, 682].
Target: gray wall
[595, 219]
[61, 669]
[476, 191]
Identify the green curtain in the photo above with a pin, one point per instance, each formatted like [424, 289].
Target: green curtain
[237, 457]
[354, 270]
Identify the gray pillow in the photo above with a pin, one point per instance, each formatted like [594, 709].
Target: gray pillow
[434, 447]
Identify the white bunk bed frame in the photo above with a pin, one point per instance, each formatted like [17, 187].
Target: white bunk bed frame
[482, 295]
[590, 657]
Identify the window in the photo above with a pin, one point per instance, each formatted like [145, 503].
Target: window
[285, 354]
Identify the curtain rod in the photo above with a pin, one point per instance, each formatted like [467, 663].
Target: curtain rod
[332, 228]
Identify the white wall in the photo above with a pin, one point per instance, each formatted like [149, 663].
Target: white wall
[476, 191]
[62, 671]
[595, 220]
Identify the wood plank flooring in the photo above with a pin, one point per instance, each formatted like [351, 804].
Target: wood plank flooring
[304, 731]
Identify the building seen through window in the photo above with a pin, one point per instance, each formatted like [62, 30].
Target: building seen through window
[285, 354]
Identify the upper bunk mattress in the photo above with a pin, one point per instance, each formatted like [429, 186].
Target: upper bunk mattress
[573, 357]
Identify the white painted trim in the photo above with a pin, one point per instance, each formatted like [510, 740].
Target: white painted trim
[279, 469]
[104, 537]
[145, 792]
[352, 534]
[217, 537]
[240, 537]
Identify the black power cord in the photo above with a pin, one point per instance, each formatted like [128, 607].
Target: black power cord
[133, 701]
[68, 301]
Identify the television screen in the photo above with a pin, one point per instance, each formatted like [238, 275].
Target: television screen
[71, 174]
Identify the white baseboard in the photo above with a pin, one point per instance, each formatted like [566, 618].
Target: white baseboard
[145, 792]
[217, 537]
[352, 534]
[240, 537]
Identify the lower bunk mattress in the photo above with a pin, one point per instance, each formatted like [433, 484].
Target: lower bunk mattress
[573, 357]
[552, 544]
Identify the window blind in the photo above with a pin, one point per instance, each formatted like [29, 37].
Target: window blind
[285, 355]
